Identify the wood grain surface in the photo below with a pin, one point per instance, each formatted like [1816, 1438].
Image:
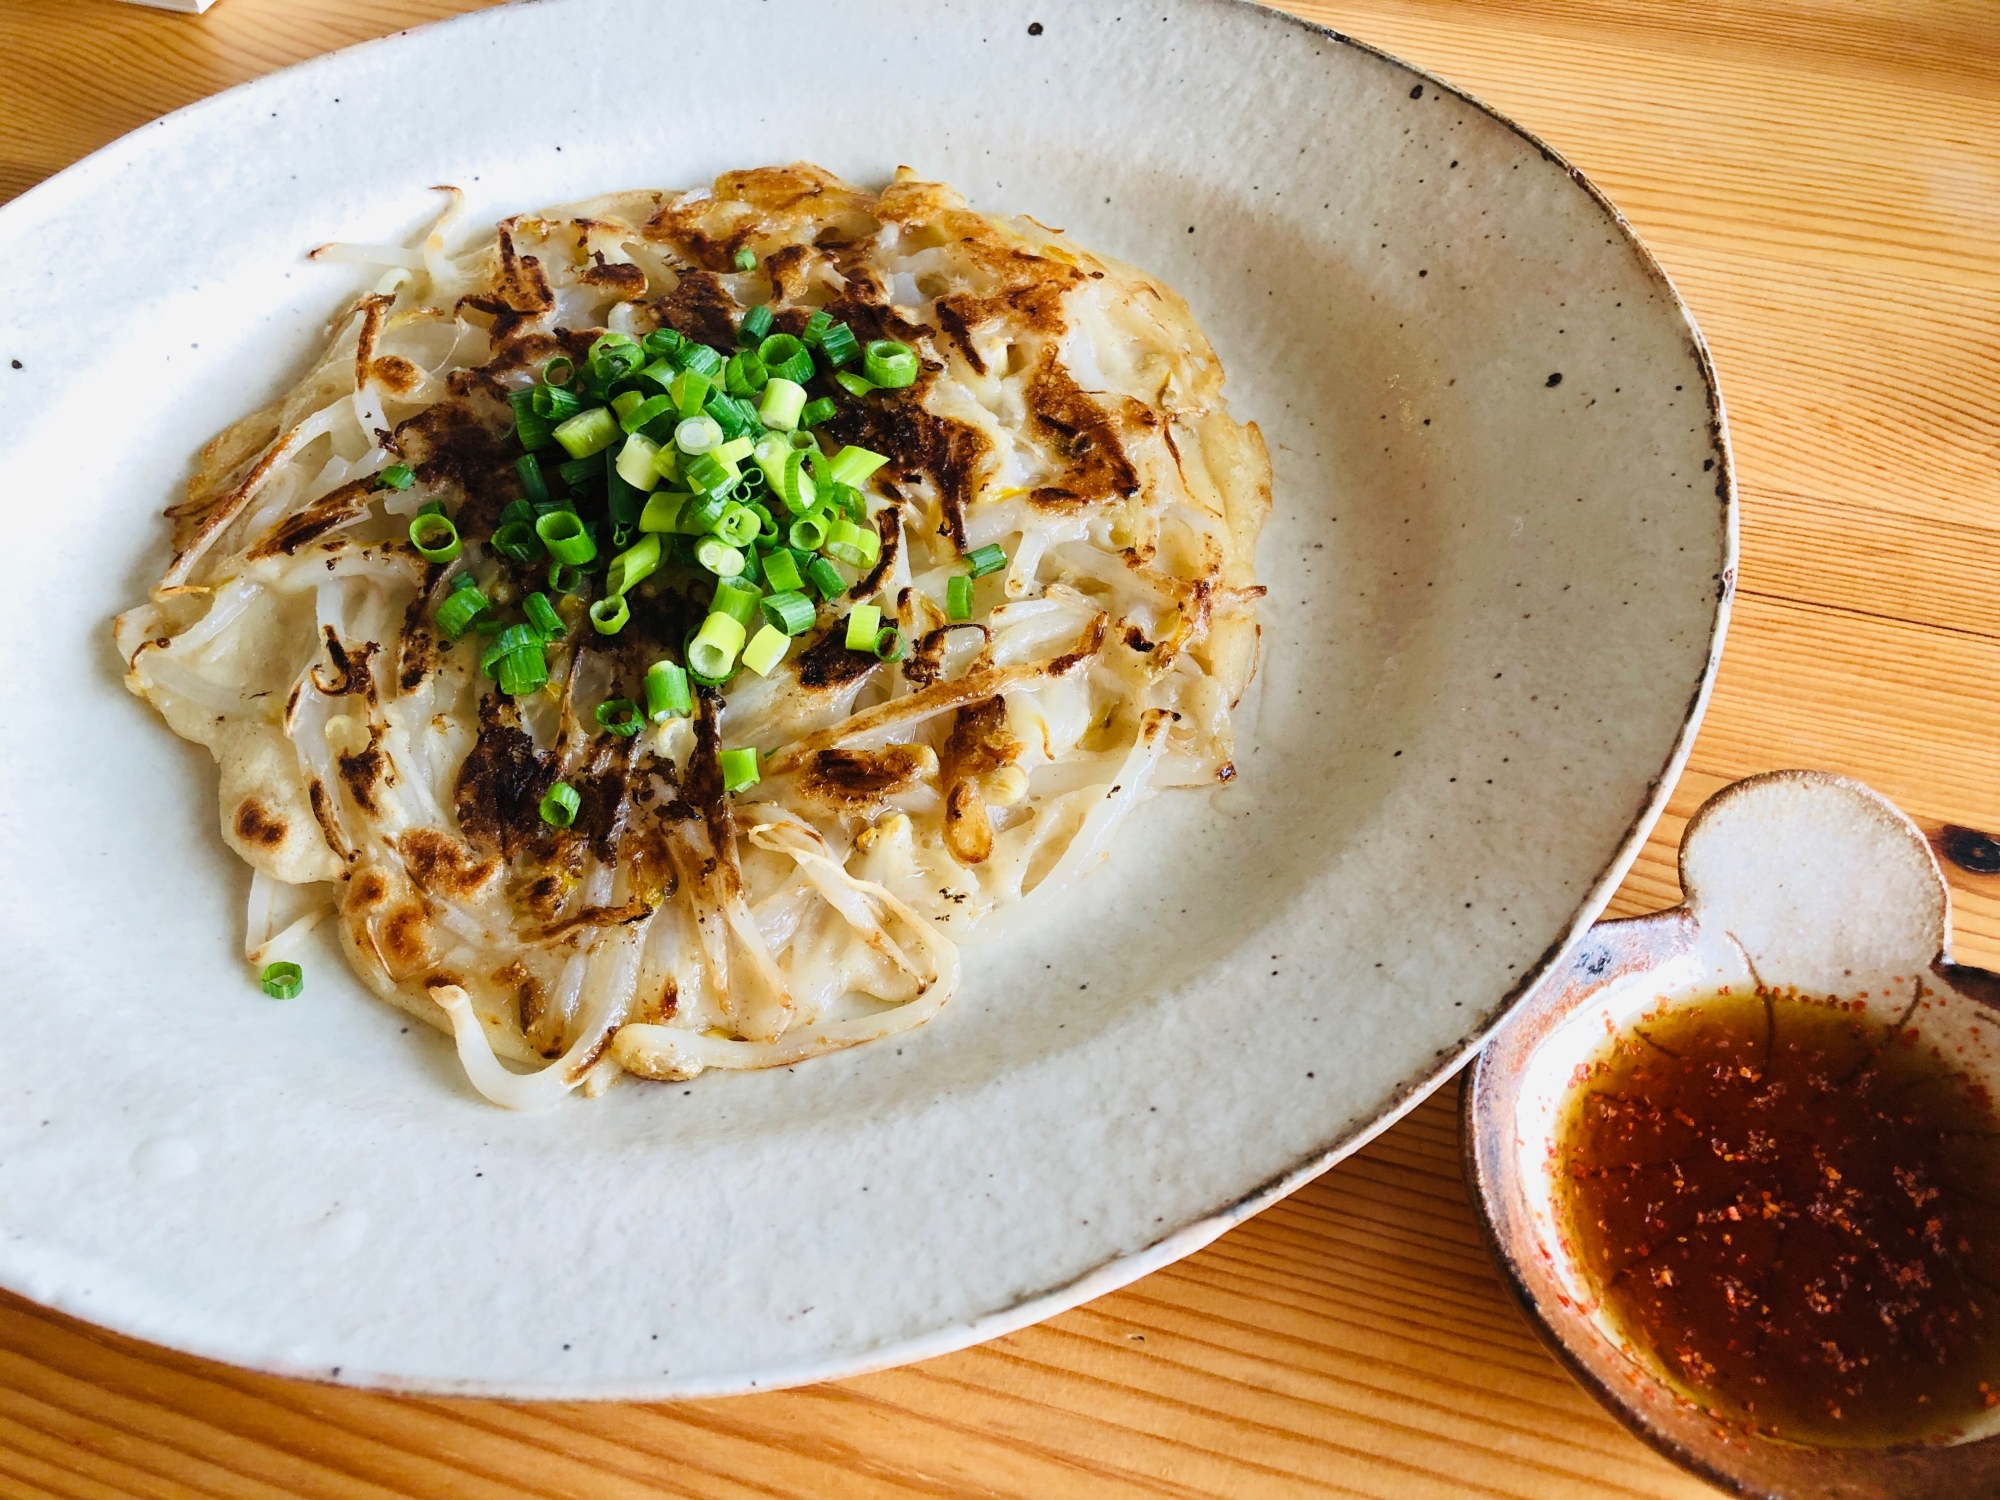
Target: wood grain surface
[1822, 180]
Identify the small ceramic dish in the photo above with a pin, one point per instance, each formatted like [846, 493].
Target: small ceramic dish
[1793, 879]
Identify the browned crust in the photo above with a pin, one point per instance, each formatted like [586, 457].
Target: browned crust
[348, 503]
[1079, 429]
[501, 785]
[856, 780]
[949, 453]
[827, 663]
[256, 824]
[621, 277]
[440, 865]
[978, 743]
[365, 770]
[700, 307]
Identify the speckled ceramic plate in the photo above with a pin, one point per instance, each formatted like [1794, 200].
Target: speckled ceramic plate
[1499, 568]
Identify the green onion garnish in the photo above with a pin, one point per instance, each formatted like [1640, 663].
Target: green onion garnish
[614, 356]
[661, 372]
[852, 465]
[690, 390]
[767, 524]
[397, 477]
[667, 694]
[558, 370]
[565, 578]
[559, 805]
[701, 360]
[889, 643]
[794, 485]
[640, 412]
[781, 571]
[434, 537]
[738, 526]
[506, 643]
[532, 483]
[577, 472]
[890, 364]
[284, 981]
[739, 769]
[633, 565]
[738, 598]
[712, 652]
[766, 649]
[784, 401]
[825, 578]
[563, 533]
[746, 259]
[621, 716]
[517, 542]
[819, 409]
[624, 404]
[789, 610]
[738, 418]
[851, 383]
[863, 625]
[555, 403]
[697, 435]
[745, 374]
[857, 546]
[662, 512]
[533, 431]
[984, 560]
[785, 356]
[702, 512]
[542, 615]
[636, 463]
[522, 672]
[848, 501]
[756, 323]
[816, 327]
[958, 598]
[839, 345]
[610, 614]
[735, 450]
[707, 474]
[588, 432]
[718, 557]
[460, 609]
[662, 343]
[808, 534]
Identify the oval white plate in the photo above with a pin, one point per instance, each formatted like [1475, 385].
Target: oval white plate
[1496, 601]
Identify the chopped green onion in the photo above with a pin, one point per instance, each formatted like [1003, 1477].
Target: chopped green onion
[434, 537]
[889, 644]
[662, 512]
[816, 327]
[783, 400]
[690, 390]
[785, 356]
[533, 431]
[558, 370]
[632, 566]
[846, 500]
[624, 403]
[580, 471]
[563, 533]
[738, 418]
[745, 374]
[739, 769]
[702, 512]
[701, 360]
[863, 625]
[826, 578]
[718, 557]
[284, 981]
[662, 343]
[667, 694]
[522, 672]
[635, 463]
[610, 614]
[736, 450]
[839, 345]
[805, 442]
[431, 508]
[958, 598]
[641, 411]
[984, 560]
[738, 526]
[746, 259]
[756, 323]
[621, 716]
[506, 643]
[532, 483]
[737, 598]
[565, 578]
[782, 572]
[852, 465]
[708, 474]
[819, 409]
[588, 432]
[766, 649]
[789, 610]
[542, 615]
[559, 805]
[712, 652]
[554, 403]
[397, 477]
[660, 372]
[614, 356]
[851, 383]
[516, 541]
[857, 546]
[794, 485]
[463, 579]
[890, 364]
[460, 609]
[520, 510]
[698, 435]
[807, 533]
[767, 524]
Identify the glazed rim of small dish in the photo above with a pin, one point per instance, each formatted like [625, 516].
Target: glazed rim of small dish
[1199, 1230]
[1643, 943]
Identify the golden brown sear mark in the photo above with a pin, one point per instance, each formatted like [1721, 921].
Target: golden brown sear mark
[854, 780]
[255, 824]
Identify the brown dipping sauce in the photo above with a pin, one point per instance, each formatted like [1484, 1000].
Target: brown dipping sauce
[1795, 1211]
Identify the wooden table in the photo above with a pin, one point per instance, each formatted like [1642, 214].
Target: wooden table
[1822, 179]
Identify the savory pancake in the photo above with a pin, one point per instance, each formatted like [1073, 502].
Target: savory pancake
[661, 628]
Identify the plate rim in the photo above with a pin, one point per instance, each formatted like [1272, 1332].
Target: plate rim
[1193, 1234]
